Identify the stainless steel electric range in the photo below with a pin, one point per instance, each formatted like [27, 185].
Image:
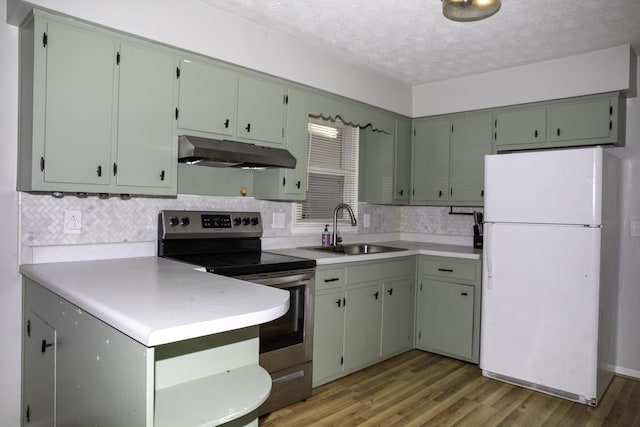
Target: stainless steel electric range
[229, 244]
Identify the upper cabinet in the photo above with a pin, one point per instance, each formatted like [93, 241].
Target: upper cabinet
[448, 159]
[589, 120]
[219, 102]
[402, 162]
[96, 111]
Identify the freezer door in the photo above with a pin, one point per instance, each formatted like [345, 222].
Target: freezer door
[540, 292]
[546, 187]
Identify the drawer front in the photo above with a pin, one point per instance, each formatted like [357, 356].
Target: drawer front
[380, 270]
[460, 270]
[330, 278]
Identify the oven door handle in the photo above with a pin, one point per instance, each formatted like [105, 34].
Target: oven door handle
[280, 281]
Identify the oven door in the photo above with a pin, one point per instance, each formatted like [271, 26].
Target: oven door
[288, 340]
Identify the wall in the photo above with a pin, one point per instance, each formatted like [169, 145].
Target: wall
[10, 288]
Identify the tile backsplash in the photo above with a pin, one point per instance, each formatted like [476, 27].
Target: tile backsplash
[117, 221]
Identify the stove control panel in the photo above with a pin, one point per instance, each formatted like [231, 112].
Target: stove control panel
[203, 224]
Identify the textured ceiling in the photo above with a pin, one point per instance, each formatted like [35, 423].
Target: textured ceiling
[410, 40]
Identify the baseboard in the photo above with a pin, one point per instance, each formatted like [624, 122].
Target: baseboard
[629, 373]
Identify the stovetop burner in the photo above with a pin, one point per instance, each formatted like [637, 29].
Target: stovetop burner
[226, 243]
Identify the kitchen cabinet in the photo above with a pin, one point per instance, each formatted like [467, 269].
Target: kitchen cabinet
[402, 162]
[261, 110]
[93, 118]
[448, 159]
[448, 307]
[589, 120]
[289, 184]
[208, 97]
[364, 313]
[80, 370]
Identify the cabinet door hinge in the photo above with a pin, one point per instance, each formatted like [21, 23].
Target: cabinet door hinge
[420, 286]
[285, 99]
[28, 328]
[28, 414]
[118, 58]
[177, 113]
[284, 181]
[115, 169]
[419, 335]
[177, 72]
[451, 127]
[344, 302]
[341, 360]
[414, 132]
[41, 164]
[45, 39]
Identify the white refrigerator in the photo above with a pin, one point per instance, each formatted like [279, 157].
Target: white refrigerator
[549, 288]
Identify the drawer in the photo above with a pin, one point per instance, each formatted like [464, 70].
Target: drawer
[451, 268]
[329, 278]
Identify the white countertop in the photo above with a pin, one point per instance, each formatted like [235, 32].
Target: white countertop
[413, 248]
[157, 301]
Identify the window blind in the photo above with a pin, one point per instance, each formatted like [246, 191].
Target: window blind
[332, 171]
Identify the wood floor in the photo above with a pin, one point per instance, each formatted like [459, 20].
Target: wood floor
[424, 389]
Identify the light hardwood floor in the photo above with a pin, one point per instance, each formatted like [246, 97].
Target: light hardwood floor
[424, 389]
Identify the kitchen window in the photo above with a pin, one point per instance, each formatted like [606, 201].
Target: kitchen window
[332, 172]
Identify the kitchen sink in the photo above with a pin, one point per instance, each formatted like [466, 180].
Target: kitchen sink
[356, 249]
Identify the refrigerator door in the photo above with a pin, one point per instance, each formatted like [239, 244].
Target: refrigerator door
[544, 187]
[540, 307]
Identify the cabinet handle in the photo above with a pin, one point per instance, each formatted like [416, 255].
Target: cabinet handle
[558, 131]
[162, 176]
[464, 294]
[339, 303]
[45, 345]
[440, 193]
[376, 295]
[446, 270]
[99, 171]
[226, 123]
[248, 128]
[390, 291]
[401, 192]
[298, 184]
[535, 133]
[115, 169]
[28, 414]
[481, 193]
[333, 279]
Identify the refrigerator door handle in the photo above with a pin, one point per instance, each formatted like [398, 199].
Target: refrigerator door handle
[487, 253]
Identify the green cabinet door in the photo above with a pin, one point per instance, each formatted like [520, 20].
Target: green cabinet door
[581, 120]
[470, 141]
[38, 371]
[79, 106]
[362, 325]
[328, 336]
[430, 167]
[525, 126]
[147, 141]
[402, 162]
[261, 110]
[447, 318]
[397, 316]
[376, 167]
[208, 98]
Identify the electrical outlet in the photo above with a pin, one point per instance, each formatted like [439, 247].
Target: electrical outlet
[366, 220]
[634, 228]
[72, 221]
[278, 220]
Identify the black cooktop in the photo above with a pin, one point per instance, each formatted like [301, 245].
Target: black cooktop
[245, 263]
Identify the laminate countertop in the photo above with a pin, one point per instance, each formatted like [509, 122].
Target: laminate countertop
[410, 248]
[157, 301]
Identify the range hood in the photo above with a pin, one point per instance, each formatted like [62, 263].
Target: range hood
[223, 153]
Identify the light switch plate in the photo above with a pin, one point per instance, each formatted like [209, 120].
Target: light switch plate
[72, 221]
[278, 220]
[634, 228]
[366, 220]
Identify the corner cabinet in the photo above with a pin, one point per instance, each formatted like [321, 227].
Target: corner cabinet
[588, 120]
[364, 313]
[289, 184]
[448, 159]
[97, 111]
[77, 370]
[448, 307]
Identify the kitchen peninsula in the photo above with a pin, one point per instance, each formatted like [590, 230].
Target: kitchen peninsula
[138, 341]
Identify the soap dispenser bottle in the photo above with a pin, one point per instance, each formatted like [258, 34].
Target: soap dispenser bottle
[326, 237]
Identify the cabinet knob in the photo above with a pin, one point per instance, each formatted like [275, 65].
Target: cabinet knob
[390, 291]
[45, 345]
[535, 133]
[376, 295]
[162, 176]
[226, 124]
[248, 128]
[99, 171]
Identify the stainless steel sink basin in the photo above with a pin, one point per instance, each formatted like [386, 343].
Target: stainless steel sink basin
[356, 249]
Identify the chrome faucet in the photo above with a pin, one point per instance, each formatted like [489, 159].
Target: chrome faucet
[335, 239]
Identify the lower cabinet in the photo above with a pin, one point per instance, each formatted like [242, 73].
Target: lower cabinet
[77, 370]
[448, 307]
[364, 313]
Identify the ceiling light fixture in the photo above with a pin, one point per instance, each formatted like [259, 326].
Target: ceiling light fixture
[469, 10]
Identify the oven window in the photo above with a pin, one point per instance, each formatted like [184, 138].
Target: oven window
[287, 330]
